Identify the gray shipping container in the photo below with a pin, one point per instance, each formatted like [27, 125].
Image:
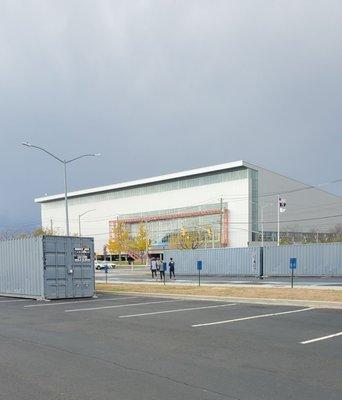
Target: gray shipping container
[47, 267]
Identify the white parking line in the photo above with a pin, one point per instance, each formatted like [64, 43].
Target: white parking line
[14, 301]
[253, 317]
[78, 301]
[176, 310]
[321, 338]
[122, 305]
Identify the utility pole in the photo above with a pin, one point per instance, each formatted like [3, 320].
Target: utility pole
[147, 243]
[221, 219]
[51, 226]
[262, 226]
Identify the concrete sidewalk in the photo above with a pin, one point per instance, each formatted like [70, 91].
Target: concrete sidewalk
[278, 281]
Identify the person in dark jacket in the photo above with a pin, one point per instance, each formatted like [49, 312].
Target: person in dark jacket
[172, 268]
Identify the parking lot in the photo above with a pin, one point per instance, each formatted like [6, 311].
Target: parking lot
[140, 347]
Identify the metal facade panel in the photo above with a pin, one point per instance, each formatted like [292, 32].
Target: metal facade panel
[69, 267]
[321, 259]
[243, 261]
[21, 267]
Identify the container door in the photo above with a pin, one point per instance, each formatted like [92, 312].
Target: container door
[55, 274]
[82, 260]
[69, 267]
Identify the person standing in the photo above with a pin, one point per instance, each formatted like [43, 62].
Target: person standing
[172, 268]
[161, 269]
[154, 268]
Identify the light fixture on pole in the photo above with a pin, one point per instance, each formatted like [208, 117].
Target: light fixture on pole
[79, 220]
[64, 162]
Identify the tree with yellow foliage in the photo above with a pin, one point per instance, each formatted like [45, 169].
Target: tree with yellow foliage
[186, 240]
[120, 241]
[141, 241]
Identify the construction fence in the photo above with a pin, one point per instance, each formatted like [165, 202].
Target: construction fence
[322, 259]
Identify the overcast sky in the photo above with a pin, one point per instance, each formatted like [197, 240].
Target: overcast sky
[161, 86]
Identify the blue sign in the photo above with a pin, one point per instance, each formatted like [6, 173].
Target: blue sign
[293, 263]
[106, 269]
[199, 265]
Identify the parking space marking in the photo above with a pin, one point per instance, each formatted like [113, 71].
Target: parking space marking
[14, 300]
[78, 301]
[123, 305]
[321, 338]
[176, 310]
[252, 317]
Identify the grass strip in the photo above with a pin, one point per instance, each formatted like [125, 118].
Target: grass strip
[229, 291]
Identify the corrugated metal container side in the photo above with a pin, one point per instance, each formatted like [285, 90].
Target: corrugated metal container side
[21, 266]
[321, 259]
[47, 267]
[222, 261]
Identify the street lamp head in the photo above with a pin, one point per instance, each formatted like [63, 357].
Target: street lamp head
[96, 154]
[27, 144]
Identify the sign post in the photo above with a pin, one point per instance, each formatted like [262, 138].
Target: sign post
[106, 271]
[199, 269]
[164, 270]
[254, 265]
[293, 266]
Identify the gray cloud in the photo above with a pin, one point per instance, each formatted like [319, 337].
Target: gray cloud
[160, 86]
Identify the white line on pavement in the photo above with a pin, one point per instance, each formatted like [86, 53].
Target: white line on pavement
[253, 317]
[13, 301]
[78, 301]
[176, 310]
[322, 338]
[122, 305]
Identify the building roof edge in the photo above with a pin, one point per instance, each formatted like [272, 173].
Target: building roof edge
[145, 181]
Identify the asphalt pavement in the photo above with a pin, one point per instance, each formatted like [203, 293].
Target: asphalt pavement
[139, 347]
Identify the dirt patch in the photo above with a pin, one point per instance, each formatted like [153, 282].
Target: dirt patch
[250, 292]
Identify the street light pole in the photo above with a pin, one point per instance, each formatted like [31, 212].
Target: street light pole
[66, 199]
[278, 222]
[79, 220]
[64, 162]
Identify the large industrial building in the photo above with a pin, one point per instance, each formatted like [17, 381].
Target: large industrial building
[232, 202]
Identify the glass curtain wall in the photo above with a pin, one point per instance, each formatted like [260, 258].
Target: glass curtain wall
[161, 231]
